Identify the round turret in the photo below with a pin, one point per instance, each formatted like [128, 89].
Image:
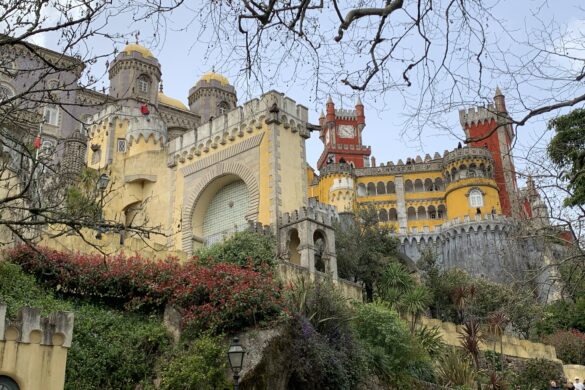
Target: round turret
[135, 76]
[471, 189]
[212, 96]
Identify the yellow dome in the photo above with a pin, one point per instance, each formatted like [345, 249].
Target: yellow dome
[134, 47]
[169, 101]
[215, 76]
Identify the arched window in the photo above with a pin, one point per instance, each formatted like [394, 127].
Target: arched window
[371, 189]
[143, 84]
[441, 212]
[429, 185]
[51, 115]
[5, 92]
[421, 212]
[439, 184]
[361, 189]
[418, 185]
[393, 215]
[411, 214]
[408, 187]
[432, 212]
[223, 108]
[475, 198]
[383, 215]
[390, 188]
[380, 188]
[6, 383]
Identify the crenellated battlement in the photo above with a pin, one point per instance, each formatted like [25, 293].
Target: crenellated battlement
[467, 224]
[467, 152]
[30, 328]
[345, 113]
[478, 115]
[272, 107]
[316, 212]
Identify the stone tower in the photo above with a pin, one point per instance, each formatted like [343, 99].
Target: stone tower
[491, 128]
[212, 96]
[341, 133]
[74, 151]
[135, 76]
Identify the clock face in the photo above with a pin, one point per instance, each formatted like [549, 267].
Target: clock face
[346, 131]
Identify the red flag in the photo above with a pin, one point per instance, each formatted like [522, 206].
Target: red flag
[37, 142]
[144, 109]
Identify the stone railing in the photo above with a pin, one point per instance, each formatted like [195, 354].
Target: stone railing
[291, 273]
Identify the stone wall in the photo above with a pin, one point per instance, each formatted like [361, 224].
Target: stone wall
[512, 346]
[290, 273]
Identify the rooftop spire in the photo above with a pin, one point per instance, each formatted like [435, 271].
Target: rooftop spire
[329, 100]
[358, 101]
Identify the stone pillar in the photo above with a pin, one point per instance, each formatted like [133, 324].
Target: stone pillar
[401, 205]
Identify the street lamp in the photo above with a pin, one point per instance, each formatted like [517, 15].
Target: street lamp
[236, 358]
[102, 184]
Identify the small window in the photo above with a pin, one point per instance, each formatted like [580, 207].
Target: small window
[143, 84]
[47, 147]
[475, 198]
[51, 115]
[96, 156]
[223, 108]
[84, 124]
[121, 145]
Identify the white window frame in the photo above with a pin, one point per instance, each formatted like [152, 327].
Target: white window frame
[51, 115]
[475, 198]
[121, 145]
[143, 84]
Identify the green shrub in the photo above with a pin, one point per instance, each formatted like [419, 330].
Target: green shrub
[113, 350]
[199, 366]
[391, 349]
[240, 248]
[570, 345]
[537, 373]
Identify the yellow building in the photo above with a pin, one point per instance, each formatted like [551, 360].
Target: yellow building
[199, 172]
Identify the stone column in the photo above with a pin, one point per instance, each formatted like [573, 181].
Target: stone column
[401, 205]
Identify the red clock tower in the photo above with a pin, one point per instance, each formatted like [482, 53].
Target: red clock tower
[341, 132]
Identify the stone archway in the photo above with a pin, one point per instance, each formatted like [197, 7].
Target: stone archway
[207, 187]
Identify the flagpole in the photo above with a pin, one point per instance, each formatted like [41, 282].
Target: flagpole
[39, 143]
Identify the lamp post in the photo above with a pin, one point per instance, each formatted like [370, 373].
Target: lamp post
[236, 359]
[102, 184]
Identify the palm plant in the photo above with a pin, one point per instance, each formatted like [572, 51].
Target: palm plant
[413, 303]
[430, 339]
[471, 337]
[496, 324]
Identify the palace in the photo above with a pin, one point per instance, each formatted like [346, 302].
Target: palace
[206, 170]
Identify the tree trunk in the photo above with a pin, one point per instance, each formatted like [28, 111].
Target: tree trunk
[369, 292]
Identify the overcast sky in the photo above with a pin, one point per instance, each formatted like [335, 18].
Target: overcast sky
[183, 61]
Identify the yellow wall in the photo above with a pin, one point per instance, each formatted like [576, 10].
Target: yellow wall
[24, 356]
[458, 201]
[292, 170]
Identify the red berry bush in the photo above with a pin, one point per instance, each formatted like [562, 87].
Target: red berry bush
[219, 296]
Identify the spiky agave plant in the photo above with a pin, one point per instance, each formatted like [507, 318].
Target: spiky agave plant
[454, 369]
